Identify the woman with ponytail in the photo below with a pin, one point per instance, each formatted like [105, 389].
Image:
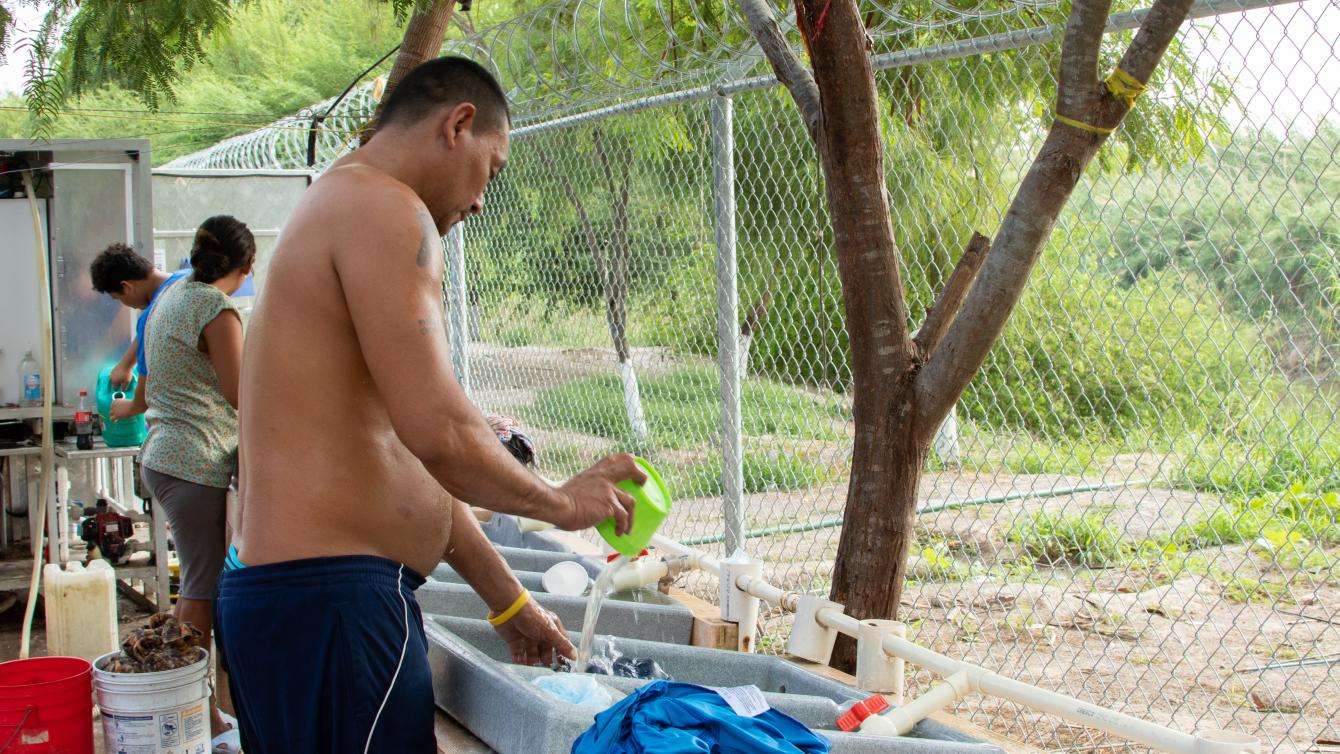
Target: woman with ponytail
[194, 349]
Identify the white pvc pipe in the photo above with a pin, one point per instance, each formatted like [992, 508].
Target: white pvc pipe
[698, 559]
[640, 572]
[965, 677]
[35, 523]
[60, 535]
[941, 695]
[1042, 700]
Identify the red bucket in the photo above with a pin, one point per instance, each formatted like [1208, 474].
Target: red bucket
[46, 706]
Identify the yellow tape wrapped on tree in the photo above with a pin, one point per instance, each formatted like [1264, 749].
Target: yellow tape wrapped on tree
[1123, 86]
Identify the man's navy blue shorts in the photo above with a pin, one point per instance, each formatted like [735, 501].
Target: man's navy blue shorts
[327, 656]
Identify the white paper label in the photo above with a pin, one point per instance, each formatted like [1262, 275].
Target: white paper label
[745, 700]
[130, 734]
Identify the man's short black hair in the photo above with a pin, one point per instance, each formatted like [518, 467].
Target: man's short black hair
[115, 265]
[447, 81]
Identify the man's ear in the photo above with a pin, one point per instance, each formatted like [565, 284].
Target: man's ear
[127, 288]
[460, 118]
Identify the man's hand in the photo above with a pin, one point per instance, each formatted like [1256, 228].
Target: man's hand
[591, 496]
[122, 408]
[534, 635]
[120, 375]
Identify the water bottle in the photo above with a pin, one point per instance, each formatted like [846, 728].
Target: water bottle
[30, 380]
[83, 423]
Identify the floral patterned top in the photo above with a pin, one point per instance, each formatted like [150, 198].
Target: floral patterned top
[192, 427]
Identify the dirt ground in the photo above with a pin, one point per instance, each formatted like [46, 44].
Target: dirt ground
[1182, 651]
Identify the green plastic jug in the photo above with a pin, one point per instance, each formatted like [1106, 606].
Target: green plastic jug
[126, 433]
[652, 505]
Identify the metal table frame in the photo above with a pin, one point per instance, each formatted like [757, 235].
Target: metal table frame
[110, 474]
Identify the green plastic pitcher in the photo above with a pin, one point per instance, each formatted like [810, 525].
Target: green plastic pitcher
[126, 433]
[652, 505]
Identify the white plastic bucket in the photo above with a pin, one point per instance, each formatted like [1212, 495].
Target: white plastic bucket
[154, 713]
[566, 577]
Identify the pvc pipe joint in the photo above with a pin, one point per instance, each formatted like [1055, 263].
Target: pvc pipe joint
[737, 605]
[939, 696]
[810, 639]
[876, 670]
[640, 572]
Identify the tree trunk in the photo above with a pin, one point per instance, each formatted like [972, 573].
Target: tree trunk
[752, 326]
[616, 281]
[423, 41]
[871, 561]
[886, 460]
[904, 387]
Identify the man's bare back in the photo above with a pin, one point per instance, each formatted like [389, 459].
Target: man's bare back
[323, 469]
[355, 438]
[360, 451]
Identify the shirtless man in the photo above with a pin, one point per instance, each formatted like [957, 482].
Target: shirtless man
[359, 450]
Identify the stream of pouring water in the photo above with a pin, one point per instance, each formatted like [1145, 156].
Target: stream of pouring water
[598, 592]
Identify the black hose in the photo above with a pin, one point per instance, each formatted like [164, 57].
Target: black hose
[317, 120]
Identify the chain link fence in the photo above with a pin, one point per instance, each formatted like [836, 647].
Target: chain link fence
[1135, 502]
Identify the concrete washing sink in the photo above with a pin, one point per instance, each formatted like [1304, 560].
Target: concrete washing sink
[474, 683]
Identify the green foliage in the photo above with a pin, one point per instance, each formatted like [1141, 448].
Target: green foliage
[763, 472]
[683, 409]
[141, 46]
[1081, 356]
[937, 562]
[236, 86]
[1257, 222]
[1286, 518]
[1058, 538]
[144, 47]
[536, 246]
[1292, 440]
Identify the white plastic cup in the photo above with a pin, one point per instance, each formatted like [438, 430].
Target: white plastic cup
[566, 577]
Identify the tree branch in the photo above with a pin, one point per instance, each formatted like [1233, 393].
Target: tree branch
[1077, 86]
[787, 67]
[583, 220]
[942, 313]
[1041, 196]
[1155, 34]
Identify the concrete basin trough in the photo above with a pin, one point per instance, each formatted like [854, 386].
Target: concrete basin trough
[664, 621]
[474, 682]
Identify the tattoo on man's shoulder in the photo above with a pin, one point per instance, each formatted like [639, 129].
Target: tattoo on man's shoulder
[432, 242]
[426, 325]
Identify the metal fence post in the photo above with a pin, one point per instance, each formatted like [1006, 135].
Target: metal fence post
[458, 306]
[728, 322]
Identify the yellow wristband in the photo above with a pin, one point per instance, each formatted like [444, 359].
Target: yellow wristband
[510, 613]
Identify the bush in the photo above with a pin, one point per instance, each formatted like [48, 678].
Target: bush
[1283, 517]
[1081, 357]
[1055, 539]
[1293, 441]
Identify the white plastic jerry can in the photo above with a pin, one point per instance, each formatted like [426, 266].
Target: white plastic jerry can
[80, 609]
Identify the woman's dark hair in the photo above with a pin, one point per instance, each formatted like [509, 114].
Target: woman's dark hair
[222, 244]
